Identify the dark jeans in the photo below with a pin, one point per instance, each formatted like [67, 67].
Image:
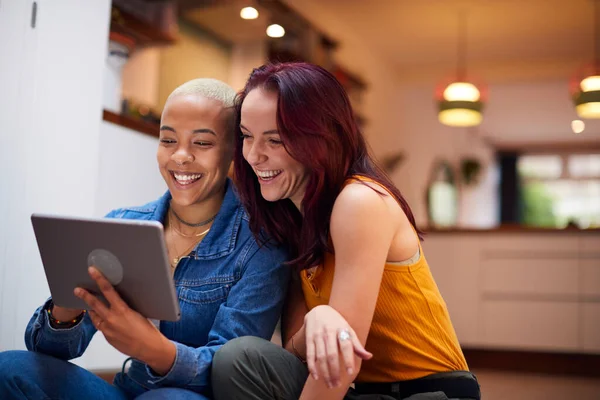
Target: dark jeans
[250, 368]
[29, 375]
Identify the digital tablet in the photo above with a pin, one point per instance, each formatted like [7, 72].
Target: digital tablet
[130, 253]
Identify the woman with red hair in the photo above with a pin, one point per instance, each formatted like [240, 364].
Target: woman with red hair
[306, 178]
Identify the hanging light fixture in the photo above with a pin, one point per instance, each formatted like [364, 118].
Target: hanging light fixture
[460, 102]
[586, 91]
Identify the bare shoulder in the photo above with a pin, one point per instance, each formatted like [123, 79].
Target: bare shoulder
[361, 228]
[368, 207]
[359, 196]
[360, 204]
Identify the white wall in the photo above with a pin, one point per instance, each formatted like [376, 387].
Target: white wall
[13, 14]
[128, 174]
[245, 57]
[152, 73]
[425, 141]
[194, 55]
[534, 111]
[52, 158]
[57, 156]
[141, 75]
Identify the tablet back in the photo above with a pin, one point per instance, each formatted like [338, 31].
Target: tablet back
[130, 253]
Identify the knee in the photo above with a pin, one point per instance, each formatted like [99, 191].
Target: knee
[236, 352]
[15, 365]
[13, 362]
[171, 394]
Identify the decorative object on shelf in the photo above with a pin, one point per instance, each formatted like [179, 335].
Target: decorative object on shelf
[119, 49]
[470, 169]
[442, 196]
[140, 111]
[585, 86]
[460, 102]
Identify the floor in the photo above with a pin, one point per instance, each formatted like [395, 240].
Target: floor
[500, 385]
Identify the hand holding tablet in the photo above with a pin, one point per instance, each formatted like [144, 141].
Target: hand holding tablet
[131, 254]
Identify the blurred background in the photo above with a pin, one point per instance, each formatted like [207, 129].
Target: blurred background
[485, 114]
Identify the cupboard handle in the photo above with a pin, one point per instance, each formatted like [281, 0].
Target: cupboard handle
[33, 14]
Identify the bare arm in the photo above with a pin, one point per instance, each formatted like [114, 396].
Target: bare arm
[293, 320]
[362, 229]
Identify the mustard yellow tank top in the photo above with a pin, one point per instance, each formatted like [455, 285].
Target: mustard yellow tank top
[411, 335]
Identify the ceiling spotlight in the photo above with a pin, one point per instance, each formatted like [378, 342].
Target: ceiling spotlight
[249, 13]
[577, 126]
[275, 31]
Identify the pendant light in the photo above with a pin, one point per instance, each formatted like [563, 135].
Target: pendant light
[460, 102]
[586, 91]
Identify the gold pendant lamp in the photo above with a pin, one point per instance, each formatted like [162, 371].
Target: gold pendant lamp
[460, 101]
[585, 88]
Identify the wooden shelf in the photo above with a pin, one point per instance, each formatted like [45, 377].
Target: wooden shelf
[139, 31]
[135, 124]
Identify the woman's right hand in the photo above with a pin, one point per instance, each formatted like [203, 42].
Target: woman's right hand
[328, 335]
[64, 314]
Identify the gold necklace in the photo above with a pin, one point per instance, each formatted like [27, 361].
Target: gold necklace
[189, 236]
[184, 234]
[184, 254]
[176, 260]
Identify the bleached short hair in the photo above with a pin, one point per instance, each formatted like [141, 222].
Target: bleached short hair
[209, 88]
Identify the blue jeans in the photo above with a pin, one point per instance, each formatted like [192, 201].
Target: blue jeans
[32, 376]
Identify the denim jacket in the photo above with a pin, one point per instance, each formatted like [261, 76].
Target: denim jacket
[228, 287]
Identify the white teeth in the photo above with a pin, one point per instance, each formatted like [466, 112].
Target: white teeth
[186, 179]
[268, 174]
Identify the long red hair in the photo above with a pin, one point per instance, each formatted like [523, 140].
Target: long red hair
[318, 128]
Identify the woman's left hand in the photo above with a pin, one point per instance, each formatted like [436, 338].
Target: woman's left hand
[327, 335]
[125, 329]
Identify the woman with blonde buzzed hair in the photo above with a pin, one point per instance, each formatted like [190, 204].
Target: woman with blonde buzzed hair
[227, 284]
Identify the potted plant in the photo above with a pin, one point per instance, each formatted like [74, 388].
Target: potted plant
[470, 169]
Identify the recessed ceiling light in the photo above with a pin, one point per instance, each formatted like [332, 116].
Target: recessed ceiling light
[275, 31]
[249, 13]
[577, 125]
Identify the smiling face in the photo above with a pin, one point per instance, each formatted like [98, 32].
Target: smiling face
[280, 176]
[195, 148]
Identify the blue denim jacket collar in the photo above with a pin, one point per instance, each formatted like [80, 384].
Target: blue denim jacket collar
[220, 241]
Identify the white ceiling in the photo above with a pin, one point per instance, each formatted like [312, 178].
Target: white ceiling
[511, 45]
[224, 21]
[419, 36]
